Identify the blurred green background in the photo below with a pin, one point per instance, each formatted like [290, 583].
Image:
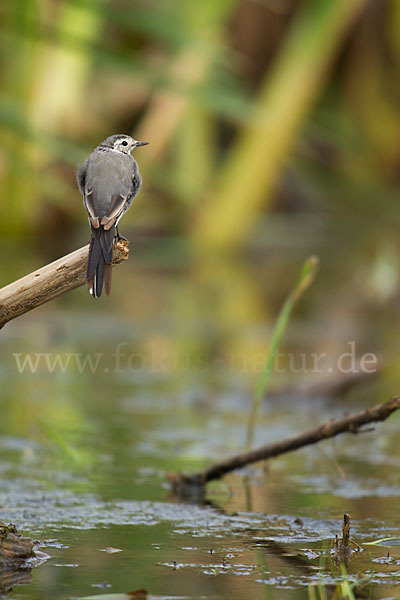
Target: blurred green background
[252, 108]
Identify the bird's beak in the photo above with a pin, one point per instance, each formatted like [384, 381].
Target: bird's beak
[141, 144]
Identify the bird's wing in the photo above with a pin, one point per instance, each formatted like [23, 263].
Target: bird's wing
[90, 202]
[81, 176]
[116, 210]
[118, 205]
[136, 180]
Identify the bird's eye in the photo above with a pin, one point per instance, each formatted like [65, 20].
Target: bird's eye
[124, 143]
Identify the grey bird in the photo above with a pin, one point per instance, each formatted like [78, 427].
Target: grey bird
[109, 179]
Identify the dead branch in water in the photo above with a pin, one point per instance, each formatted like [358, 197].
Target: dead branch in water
[193, 485]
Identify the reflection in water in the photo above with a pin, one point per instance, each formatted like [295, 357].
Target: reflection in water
[10, 577]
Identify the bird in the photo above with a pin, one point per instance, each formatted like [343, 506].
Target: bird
[108, 180]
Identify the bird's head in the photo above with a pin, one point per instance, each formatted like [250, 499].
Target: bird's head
[122, 143]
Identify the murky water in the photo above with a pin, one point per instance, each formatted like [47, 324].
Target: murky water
[159, 379]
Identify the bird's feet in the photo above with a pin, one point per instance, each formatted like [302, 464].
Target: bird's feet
[119, 237]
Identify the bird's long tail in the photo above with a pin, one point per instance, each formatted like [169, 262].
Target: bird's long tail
[100, 261]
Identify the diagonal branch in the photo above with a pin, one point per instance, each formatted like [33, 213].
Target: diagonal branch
[188, 485]
[60, 276]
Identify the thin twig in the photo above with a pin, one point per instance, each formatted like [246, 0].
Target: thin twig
[185, 484]
[60, 276]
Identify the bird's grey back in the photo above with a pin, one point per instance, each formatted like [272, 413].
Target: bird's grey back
[108, 173]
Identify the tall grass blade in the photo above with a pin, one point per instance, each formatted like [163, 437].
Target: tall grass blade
[307, 276]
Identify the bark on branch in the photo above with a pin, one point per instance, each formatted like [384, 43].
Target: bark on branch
[193, 485]
[58, 277]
